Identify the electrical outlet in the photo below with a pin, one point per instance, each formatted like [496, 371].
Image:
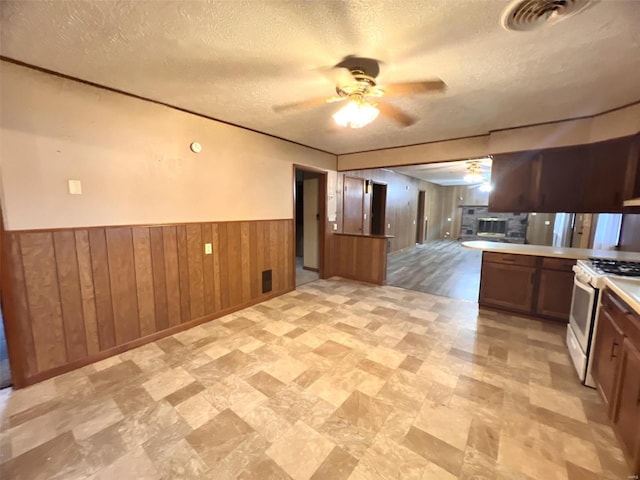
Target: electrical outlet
[208, 249]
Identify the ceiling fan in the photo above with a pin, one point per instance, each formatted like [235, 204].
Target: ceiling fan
[359, 87]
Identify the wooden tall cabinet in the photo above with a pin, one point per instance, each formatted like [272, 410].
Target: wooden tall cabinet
[616, 371]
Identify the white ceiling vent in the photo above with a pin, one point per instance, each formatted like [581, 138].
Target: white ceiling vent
[523, 15]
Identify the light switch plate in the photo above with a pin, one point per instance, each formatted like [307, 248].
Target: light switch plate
[208, 249]
[75, 187]
[335, 226]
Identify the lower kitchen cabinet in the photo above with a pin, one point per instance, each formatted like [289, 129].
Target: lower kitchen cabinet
[507, 286]
[537, 286]
[616, 371]
[626, 415]
[606, 354]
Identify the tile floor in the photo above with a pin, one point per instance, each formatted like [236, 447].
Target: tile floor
[337, 380]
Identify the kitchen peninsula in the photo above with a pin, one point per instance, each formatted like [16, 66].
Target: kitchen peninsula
[531, 279]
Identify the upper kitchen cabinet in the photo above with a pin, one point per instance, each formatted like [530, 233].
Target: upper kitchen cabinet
[511, 175]
[558, 178]
[611, 175]
[594, 178]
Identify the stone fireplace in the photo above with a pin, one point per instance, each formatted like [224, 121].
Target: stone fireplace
[479, 224]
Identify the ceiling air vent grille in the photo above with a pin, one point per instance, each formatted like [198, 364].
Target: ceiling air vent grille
[523, 15]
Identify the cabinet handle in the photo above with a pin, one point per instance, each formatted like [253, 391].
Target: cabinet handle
[638, 399]
[613, 350]
[508, 260]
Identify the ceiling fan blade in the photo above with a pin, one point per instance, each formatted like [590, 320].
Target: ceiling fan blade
[396, 114]
[404, 88]
[306, 104]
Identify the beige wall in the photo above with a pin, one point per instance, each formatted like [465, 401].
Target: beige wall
[133, 159]
[615, 124]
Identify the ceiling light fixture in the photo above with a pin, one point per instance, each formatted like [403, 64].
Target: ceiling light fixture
[474, 173]
[357, 113]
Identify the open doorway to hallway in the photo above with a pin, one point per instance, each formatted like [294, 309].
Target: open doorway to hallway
[309, 195]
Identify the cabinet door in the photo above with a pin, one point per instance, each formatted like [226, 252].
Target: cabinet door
[627, 410]
[606, 356]
[614, 161]
[554, 294]
[511, 177]
[507, 286]
[558, 187]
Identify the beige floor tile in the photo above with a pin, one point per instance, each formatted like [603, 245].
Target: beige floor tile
[335, 380]
[300, 451]
[167, 382]
[197, 411]
[558, 402]
[449, 425]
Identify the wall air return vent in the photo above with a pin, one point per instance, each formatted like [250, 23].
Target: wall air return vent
[524, 15]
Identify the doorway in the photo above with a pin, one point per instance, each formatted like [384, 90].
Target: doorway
[309, 221]
[378, 208]
[5, 371]
[421, 221]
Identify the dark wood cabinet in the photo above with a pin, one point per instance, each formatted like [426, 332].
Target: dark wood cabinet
[626, 417]
[614, 163]
[558, 176]
[536, 286]
[593, 178]
[511, 175]
[616, 371]
[555, 288]
[607, 351]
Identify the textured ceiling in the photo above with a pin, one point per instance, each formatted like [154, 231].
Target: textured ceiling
[446, 173]
[234, 60]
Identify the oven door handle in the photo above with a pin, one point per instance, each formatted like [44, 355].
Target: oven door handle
[584, 286]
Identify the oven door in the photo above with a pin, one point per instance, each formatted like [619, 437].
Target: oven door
[582, 306]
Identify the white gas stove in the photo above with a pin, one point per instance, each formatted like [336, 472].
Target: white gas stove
[589, 279]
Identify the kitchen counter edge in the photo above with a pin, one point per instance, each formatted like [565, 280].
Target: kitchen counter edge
[544, 251]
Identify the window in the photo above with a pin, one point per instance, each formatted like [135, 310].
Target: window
[607, 233]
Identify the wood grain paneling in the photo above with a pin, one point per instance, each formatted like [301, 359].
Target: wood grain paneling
[80, 295]
[85, 275]
[43, 299]
[123, 284]
[245, 258]
[144, 280]
[172, 278]
[207, 271]
[70, 294]
[217, 279]
[360, 257]
[183, 273]
[195, 269]
[159, 278]
[234, 263]
[102, 287]
[17, 290]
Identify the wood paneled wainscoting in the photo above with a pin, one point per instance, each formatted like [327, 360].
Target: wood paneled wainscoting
[75, 296]
[359, 257]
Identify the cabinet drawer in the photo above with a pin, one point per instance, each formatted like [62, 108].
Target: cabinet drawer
[562, 264]
[509, 259]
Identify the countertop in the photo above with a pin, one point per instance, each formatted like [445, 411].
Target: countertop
[627, 289]
[543, 251]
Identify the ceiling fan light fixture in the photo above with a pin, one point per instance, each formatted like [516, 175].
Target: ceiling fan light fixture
[474, 173]
[356, 114]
